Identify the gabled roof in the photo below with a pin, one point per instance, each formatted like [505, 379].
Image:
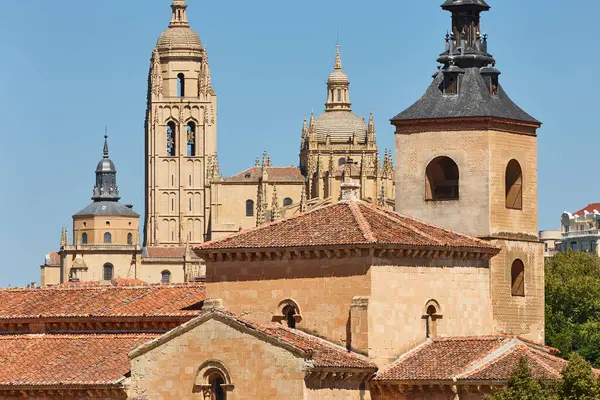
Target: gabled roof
[66, 360]
[486, 358]
[101, 301]
[275, 174]
[347, 222]
[52, 259]
[589, 208]
[321, 353]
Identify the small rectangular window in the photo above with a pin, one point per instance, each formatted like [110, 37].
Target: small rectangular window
[494, 86]
[451, 84]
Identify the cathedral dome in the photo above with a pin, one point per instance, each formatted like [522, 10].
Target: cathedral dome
[341, 126]
[338, 77]
[179, 38]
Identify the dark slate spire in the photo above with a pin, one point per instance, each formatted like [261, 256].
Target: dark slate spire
[467, 85]
[465, 45]
[106, 188]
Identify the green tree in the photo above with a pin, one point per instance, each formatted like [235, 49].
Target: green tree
[578, 381]
[573, 304]
[523, 386]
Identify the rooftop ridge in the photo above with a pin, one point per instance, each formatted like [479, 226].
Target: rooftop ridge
[394, 215]
[361, 221]
[76, 336]
[107, 287]
[486, 360]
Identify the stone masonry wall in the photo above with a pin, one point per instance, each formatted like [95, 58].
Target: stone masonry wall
[259, 370]
[322, 288]
[399, 296]
[513, 314]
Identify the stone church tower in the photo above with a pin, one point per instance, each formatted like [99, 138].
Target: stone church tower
[180, 137]
[467, 161]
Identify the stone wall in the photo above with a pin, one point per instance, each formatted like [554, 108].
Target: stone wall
[323, 289]
[258, 369]
[399, 299]
[513, 314]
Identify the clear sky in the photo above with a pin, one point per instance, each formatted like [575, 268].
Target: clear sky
[70, 67]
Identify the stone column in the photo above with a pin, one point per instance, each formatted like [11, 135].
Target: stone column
[359, 325]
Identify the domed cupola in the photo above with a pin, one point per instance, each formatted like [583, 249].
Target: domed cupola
[338, 123]
[179, 36]
[106, 188]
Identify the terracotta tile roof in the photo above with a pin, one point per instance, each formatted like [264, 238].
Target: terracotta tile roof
[52, 258]
[165, 252]
[112, 282]
[472, 359]
[66, 360]
[322, 353]
[589, 208]
[101, 301]
[275, 174]
[347, 223]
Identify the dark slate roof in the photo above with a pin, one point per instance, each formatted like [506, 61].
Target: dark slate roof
[474, 100]
[451, 3]
[107, 208]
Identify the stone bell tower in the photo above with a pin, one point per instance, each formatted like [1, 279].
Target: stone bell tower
[467, 161]
[180, 137]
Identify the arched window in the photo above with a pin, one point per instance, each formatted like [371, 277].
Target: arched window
[180, 85]
[289, 313]
[517, 274]
[107, 272]
[287, 202]
[165, 277]
[107, 238]
[339, 95]
[129, 238]
[441, 180]
[216, 383]
[213, 380]
[191, 139]
[84, 238]
[171, 145]
[514, 185]
[249, 208]
[432, 314]
[342, 161]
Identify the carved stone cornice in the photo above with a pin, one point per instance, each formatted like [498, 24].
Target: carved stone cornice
[311, 253]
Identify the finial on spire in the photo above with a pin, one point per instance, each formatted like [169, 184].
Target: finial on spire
[105, 150]
[338, 58]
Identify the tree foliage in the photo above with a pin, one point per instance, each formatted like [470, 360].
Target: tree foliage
[573, 304]
[577, 383]
[523, 386]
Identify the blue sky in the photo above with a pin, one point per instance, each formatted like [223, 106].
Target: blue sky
[70, 67]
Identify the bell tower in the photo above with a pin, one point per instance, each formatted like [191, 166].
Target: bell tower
[180, 137]
[467, 161]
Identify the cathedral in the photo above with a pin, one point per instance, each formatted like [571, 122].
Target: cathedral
[188, 202]
[344, 278]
